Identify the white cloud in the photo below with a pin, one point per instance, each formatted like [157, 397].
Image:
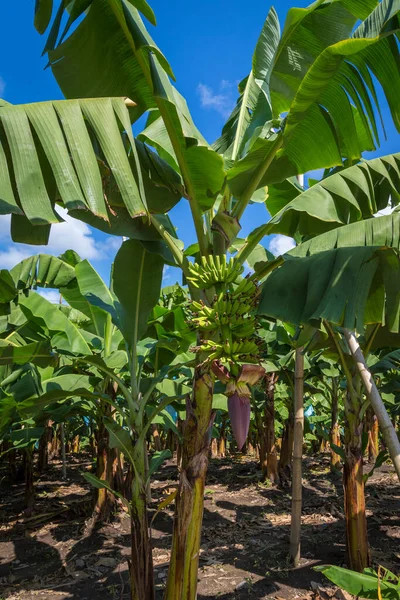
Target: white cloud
[2, 86]
[51, 295]
[279, 244]
[221, 102]
[166, 272]
[13, 255]
[63, 236]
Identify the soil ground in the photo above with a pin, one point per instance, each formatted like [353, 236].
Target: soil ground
[244, 544]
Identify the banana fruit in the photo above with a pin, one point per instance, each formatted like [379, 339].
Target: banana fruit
[212, 270]
[227, 326]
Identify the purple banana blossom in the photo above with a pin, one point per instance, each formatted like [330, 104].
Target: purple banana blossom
[239, 394]
[239, 413]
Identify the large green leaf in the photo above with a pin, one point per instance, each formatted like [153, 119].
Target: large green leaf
[69, 151]
[362, 585]
[379, 231]
[43, 10]
[94, 291]
[387, 362]
[42, 270]
[105, 53]
[22, 438]
[253, 108]
[39, 353]
[54, 398]
[51, 319]
[137, 277]
[8, 291]
[307, 32]
[120, 438]
[331, 103]
[350, 195]
[349, 276]
[100, 484]
[111, 53]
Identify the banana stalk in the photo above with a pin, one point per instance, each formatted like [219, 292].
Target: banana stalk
[182, 575]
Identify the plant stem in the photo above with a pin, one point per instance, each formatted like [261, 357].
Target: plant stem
[169, 240]
[295, 527]
[182, 575]
[257, 177]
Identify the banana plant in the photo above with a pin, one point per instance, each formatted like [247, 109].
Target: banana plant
[368, 584]
[308, 102]
[131, 390]
[356, 286]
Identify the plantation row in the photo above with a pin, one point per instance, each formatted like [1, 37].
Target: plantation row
[249, 340]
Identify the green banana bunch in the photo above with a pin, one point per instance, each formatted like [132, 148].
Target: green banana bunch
[212, 270]
[235, 351]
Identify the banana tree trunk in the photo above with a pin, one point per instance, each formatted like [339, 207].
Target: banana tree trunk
[12, 464]
[262, 441]
[76, 444]
[43, 457]
[373, 439]
[29, 487]
[295, 525]
[285, 458]
[182, 575]
[334, 434]
[141, 563]
[104, 499]
[269, 419]
[386, 425]
[222, 438]
[156, 438]
[214, 448]
[353, 484]
[63, 461]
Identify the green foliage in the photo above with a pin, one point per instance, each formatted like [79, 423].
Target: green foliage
[368, 584]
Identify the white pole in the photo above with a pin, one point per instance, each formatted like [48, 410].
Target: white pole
[385, 424]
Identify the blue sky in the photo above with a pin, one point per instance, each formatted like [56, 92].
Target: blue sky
[209, 45]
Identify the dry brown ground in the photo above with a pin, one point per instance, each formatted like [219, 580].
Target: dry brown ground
[244, 544]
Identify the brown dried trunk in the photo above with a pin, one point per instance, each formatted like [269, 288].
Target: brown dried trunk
[354, 506]
[55, 443]
[29, 487]
[250, 449]
[76, 444]
[262, 442]
[323, 445]
[93, 445]
[12, 461]
[269, 419]
[285, 459]
[105, 469]
[156, 438]
[222, 440]
[141, 562]
[214, 448]
[373, 434]
[43, 457]
[353, 484]
[334, 434]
